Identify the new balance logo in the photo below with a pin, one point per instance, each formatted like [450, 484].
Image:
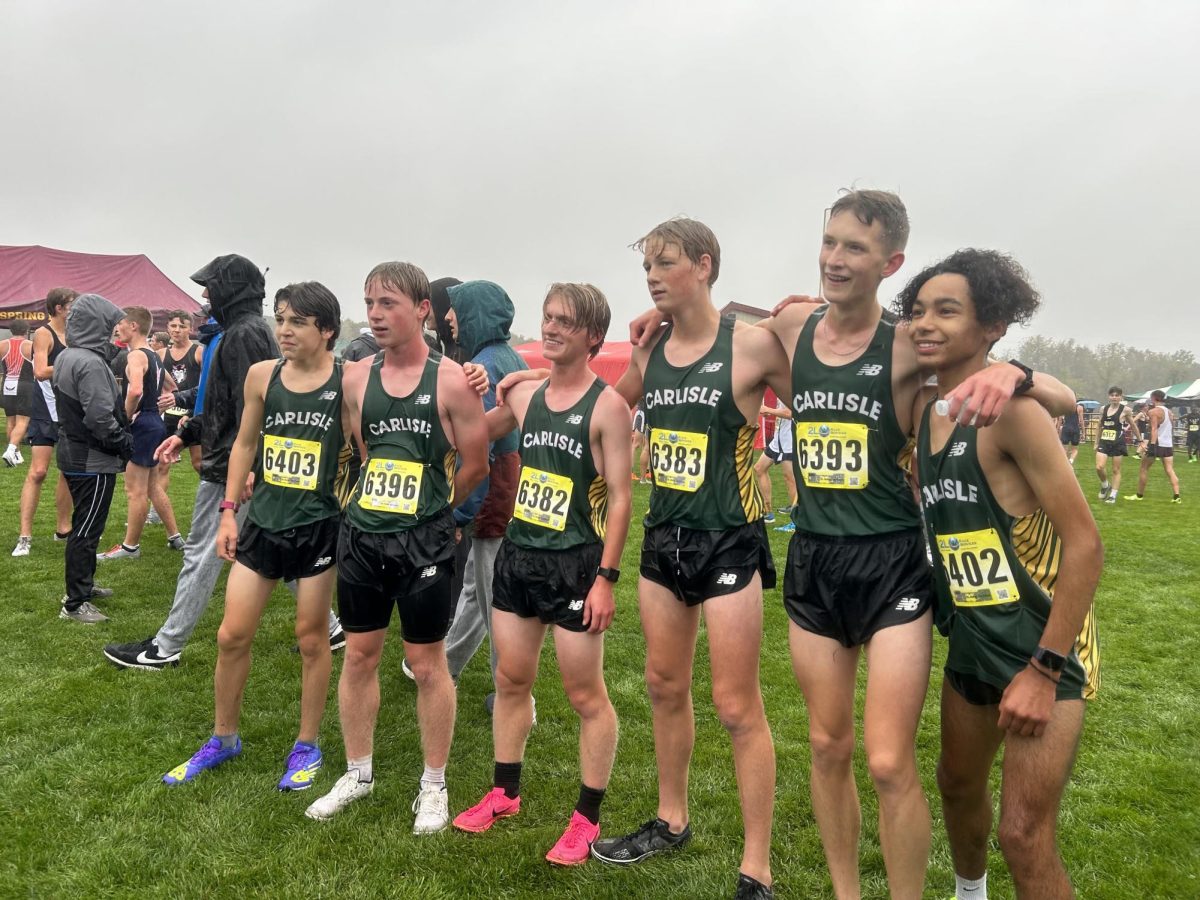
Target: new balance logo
[870, 369]
[323, 561]
[329, 395]
[709, 368]
[727, 578]
[575, 605]
[958, 448]
[909, 604]
[574, 419]
[422, 399]
[429, 571]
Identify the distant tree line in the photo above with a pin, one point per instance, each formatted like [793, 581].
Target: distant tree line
[1091, 371]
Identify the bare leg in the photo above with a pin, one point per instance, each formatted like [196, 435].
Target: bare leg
[762, 469]
[1144, 472]
[20, 426]
[1169, 464]
[137, 485]
[246, 594]
[789, 478]
[31, 490]
[897, 681]
[1035, 775]
[581, 662]
[734, 623]
[358, 690]
[518, 645]
[670, 628]
[159, 479]
[313, 598]
[826, 673]
[1116, 475]
[435, 699]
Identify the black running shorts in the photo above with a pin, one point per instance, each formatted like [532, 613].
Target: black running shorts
[697, 565]
[300, 552]
[1112, 448]
[548, 585]
[410, 570]
[848, 588]
[42, 432]
[148, 432]
[978, 692]
[1156, 452]
[1069, 436]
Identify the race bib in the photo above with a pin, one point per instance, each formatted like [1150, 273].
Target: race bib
[977, 568]
[1194, 427]
[177, 411]
[291, 463]
[1108, 434]
[543, 498]
[392, 486]
[832, 454]
[678, 459]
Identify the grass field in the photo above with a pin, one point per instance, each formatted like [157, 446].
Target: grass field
[82, 812]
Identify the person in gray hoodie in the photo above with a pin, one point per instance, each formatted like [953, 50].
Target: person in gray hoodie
[93, 442]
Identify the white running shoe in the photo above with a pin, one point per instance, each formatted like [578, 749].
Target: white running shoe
[24, 542]
[120, 551]
[345, 791]
[1104, 489]
[12, 457]
[432, 807]
[20, 457]
[152, 517]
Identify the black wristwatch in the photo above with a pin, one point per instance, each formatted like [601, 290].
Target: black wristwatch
[611, 574]
[1025, 386]
[1049, 659]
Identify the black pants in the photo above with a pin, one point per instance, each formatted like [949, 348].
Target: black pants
[92, 496]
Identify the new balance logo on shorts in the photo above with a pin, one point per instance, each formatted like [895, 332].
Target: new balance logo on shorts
[329, 395]
[422, 399]
[575, 605]
[870, 369]
[575, 419]
[958, 449]
[323, 561]
[709, 368]
[727, 578]
[429, 571]
[909, 604]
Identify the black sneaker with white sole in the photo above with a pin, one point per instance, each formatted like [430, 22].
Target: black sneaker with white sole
[140, 655]
[652, 838]
[750, 889]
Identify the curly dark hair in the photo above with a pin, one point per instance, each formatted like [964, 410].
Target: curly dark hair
[1000, 287]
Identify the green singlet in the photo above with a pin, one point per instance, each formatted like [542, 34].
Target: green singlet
[995, 574]
[847, 441]
[562, 501]
[700, 443]
[408, 477]
[298, 454]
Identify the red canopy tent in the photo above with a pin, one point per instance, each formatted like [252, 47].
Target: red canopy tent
[610, 363]
[27, 274]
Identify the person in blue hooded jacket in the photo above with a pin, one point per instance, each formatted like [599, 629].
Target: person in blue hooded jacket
[480, 317]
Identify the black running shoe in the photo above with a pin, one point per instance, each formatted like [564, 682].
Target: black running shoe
[140, 655]
[653, 837]
[749, 889]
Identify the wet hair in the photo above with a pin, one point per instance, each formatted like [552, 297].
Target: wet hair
[587, 306]
[312, 299]
[876, 206]
[162, 337]
[999, 287]
[180, 314]
[1116, 390]
[1158, 396]
[694, 238]
[404, 277]
[140, 316]
[18, 327]
[58, 298]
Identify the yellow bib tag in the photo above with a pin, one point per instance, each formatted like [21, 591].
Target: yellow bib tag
[1108, 434]
[543, 498]
[977, 568]
[392, 486]
[176, 411]
[291, 463]
[678, 459]
[832, 454]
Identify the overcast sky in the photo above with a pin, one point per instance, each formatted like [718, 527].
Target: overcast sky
[532, 142]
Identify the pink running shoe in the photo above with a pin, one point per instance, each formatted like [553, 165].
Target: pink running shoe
[575, 845]
[484, 814]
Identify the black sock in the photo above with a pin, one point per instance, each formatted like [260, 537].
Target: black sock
[508, 777]
[589, 803]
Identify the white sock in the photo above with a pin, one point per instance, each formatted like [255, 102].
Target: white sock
[11, 448]
[434, 777]
[366, 770]
[966, 889]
